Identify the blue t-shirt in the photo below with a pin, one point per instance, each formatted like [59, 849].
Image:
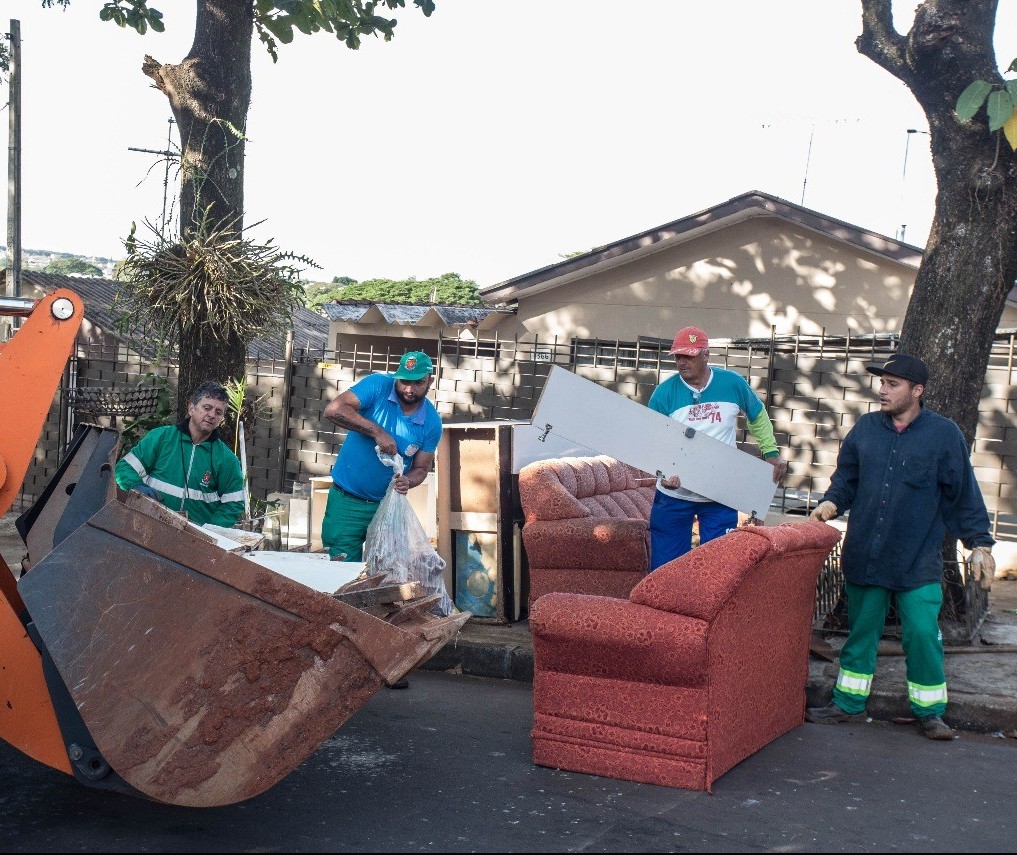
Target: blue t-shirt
[358, 470]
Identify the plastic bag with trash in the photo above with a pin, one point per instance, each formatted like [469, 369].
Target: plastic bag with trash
[397, 544]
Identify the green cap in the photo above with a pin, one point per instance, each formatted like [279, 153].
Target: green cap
[414, 366]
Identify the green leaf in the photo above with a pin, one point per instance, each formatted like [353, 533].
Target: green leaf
[304, 23]
[280, 28]
[1000, 108]
[971, 100]
[344, 11]
[1013, 66]
[1010, 130]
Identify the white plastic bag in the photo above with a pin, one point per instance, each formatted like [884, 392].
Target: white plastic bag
[397, 544]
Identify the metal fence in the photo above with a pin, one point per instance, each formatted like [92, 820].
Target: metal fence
[814, 387]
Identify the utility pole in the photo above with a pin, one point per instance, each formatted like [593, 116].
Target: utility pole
[13, 283]
[12, 286]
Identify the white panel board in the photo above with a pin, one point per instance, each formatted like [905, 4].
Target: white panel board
[581, 412]
[530, 444]
[315, 571]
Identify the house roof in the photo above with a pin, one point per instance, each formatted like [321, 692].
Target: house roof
[309, 328]
[413, 314]
[739, 209]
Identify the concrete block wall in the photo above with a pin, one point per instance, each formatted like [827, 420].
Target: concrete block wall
[46, 458]
[814, 389]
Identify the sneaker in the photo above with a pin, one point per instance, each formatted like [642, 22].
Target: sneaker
[401, 683]
[831, 714]
[934, 727]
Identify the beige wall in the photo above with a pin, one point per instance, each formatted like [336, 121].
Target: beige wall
[342, 335]
[1009, 319]
[735, 282]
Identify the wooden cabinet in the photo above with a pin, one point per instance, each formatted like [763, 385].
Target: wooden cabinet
[477, 520]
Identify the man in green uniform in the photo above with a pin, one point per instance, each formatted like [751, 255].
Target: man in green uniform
[187, 466]
[905, 474]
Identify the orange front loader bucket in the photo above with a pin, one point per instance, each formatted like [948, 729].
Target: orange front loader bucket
[139, 655]
[202, 677]
[30, 367]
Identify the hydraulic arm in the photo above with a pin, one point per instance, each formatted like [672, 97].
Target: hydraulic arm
[30, 367]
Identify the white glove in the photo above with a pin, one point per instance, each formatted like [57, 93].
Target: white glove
[824, 512]
[982, 566]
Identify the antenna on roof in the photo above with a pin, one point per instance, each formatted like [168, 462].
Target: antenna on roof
[169, 155]
[808, 159]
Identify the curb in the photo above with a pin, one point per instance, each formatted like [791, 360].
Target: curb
[507, 661]
[511, 660]
[977, 713]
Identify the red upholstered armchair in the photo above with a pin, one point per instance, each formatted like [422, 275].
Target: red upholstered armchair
[702, 666]
[586, 525]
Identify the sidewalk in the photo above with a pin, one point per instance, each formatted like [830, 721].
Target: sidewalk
[982, 685]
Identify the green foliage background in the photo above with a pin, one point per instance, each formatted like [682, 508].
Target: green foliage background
[72, 264]
[448, 289]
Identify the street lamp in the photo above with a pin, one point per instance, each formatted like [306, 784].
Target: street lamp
[904, 175]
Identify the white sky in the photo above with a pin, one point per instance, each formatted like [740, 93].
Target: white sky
[492, 137]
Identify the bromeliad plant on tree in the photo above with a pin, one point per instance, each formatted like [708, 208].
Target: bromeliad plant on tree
[207, 291]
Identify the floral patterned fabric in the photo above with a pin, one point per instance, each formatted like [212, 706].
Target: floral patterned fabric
[572, 487]
[586, 525]
[704, 665]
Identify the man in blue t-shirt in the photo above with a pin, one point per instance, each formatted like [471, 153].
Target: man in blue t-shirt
[708, 400]
[389, 413]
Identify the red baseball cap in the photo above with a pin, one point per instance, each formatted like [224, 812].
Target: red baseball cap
[689, 341]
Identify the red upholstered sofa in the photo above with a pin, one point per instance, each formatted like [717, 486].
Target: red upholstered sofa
[704, 664]
[586, 525]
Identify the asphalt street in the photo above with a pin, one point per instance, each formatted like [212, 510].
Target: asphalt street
[445, 767]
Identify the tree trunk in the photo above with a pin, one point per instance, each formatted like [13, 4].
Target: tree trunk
[970, 262]
[210, 94]
[969, 267]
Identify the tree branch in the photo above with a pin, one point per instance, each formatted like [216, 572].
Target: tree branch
[880, 42]
[153, 68]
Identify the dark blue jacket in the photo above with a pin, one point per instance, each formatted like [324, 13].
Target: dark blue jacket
[904, 490]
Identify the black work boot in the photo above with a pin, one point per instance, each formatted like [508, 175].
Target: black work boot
[401, 683]
[831, 714]
[934, 727]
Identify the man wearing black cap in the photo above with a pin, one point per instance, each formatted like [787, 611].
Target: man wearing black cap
[905, 475]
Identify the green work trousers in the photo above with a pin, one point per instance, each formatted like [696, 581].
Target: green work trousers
[345, 523]
[920, 637]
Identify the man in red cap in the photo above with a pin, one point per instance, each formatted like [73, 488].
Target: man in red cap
[709, 400]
